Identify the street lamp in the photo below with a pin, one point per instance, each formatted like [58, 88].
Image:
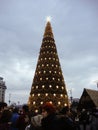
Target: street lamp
[9, 98]
[70, 95]
[71, 98]
[96, 81]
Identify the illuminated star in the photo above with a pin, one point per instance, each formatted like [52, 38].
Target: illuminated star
[48, 19]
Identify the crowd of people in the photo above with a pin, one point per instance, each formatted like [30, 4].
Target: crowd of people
[48, 119]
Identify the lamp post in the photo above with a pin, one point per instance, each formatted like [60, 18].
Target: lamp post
[70, 95]
[96, 83]
[9, 98]
[71, 98]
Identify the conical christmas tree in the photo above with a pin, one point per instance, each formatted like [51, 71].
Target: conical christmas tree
[48, 83]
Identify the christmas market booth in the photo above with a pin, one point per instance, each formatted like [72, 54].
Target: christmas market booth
[89, 99]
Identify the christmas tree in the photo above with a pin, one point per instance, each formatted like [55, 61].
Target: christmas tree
[48, 83]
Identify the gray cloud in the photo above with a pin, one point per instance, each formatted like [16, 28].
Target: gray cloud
[75, 28]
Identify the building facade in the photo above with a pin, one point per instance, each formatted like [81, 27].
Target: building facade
[2, 90]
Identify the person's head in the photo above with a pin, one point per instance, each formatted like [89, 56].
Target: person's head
[3, 106]
[6, 116]
[15, 110]
[65, 110]
[25, 109]
[48, 109]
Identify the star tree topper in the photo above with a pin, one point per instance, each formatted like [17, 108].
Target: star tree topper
[48, 18]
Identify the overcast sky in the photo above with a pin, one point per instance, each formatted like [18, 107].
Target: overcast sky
[75, 29]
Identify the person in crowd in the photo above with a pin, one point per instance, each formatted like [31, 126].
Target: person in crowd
[66, 121]
[5, 118]
[48, 121]
[35, 122]
[76, 119]
[24, 118]
[14, 119]
[94, 122]
[53, 121]
[84, 119]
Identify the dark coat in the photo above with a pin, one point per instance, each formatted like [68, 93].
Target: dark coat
[49, 122]
[22, 122]
[13, 120]
[66, 123]
[5, 126]
[57, 122]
